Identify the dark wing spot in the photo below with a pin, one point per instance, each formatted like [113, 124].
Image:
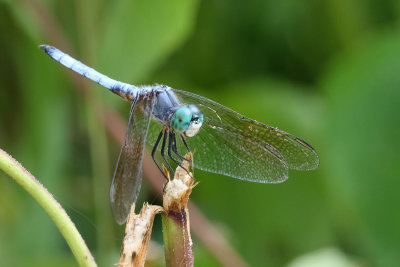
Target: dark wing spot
[304, 143]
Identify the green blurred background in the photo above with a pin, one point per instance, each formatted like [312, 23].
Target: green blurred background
[326, 71]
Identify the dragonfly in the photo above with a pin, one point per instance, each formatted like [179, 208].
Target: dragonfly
[225, 142]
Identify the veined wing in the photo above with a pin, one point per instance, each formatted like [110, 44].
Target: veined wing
[127, 179]
[124, 90]
[231, 144]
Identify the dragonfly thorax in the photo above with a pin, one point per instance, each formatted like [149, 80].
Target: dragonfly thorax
[187, 120]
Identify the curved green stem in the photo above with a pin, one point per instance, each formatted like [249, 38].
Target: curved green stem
[50, 205]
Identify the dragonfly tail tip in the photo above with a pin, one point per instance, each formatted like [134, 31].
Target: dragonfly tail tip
[45, 48]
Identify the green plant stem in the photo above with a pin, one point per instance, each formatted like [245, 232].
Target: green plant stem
[177, 241]
[50, 205]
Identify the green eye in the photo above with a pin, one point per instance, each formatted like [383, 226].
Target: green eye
[181, 119]
[187, 120]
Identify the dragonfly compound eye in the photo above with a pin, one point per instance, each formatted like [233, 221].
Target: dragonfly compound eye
[181, 119]
[187, 120]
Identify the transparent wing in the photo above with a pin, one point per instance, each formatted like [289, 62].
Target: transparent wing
[231, 144]
[127, 179]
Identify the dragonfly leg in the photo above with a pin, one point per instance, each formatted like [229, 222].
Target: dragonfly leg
[186, 145]
[175, 149]
[188, 150]
[154, 151]
[163, 151]
[172, 143]
[184, 142]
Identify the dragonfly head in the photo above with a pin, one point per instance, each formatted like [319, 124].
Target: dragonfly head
[187, 120]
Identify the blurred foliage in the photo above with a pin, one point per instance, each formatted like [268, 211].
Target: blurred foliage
[326, 71]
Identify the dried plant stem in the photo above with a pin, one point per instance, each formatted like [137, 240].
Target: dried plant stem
[175, 221]
[137, 235]
[50, 205]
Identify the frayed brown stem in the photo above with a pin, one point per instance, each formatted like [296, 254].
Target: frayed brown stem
[137, 236]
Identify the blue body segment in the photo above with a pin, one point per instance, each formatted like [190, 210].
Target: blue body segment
[125, 90]
[166, 101]
[166, 104]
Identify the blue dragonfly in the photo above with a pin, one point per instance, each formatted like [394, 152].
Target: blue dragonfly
[225, 142]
